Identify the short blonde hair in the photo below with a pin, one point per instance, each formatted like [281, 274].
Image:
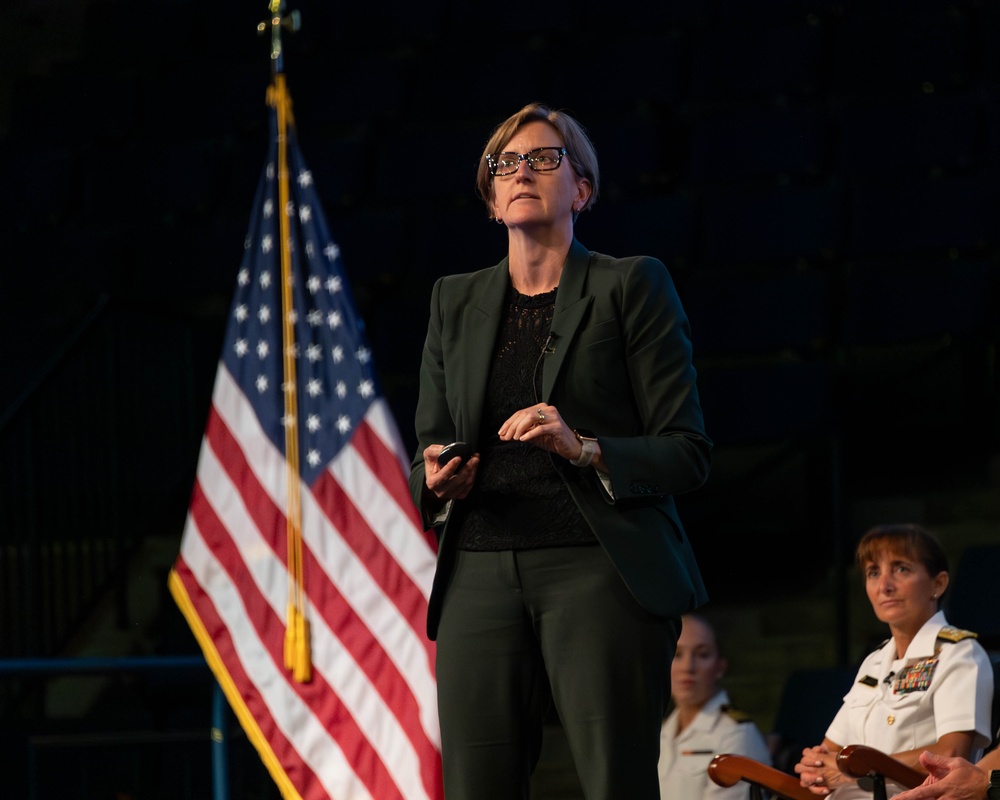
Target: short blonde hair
[579, 149]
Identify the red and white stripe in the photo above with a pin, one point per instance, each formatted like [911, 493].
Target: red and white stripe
[365, 726]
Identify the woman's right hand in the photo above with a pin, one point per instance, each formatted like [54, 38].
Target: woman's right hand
[818, 771]
[454, 480]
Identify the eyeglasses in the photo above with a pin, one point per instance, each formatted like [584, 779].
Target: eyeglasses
[541, 159]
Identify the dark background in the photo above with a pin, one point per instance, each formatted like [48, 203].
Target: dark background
[820, 176]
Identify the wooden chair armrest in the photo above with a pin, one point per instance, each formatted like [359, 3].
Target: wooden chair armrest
[729, 769]
[859, 761]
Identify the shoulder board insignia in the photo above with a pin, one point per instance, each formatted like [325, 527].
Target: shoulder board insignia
[736, 714]
[950, 634]
[868, 680]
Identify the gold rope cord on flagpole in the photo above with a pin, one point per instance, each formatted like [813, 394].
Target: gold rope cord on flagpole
[297, 655]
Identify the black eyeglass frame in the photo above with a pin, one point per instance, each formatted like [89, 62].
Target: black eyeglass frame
[529, 157]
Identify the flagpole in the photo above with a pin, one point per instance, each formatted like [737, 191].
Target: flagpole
[297, 655]
[293, 22]
[324, 463]
[220, 745]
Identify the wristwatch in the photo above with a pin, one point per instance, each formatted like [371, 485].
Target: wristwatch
[993, 790]
[589, 444]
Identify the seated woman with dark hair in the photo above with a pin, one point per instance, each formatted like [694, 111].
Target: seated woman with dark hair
[926, 688]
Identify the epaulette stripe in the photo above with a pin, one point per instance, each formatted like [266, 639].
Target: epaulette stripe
[736, 714]
[951, 634]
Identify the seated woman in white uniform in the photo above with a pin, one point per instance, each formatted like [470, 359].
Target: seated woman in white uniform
[702, 722]
[927, 687]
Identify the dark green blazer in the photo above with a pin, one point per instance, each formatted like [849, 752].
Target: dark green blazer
[619, 365]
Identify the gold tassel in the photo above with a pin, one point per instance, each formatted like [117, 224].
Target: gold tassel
[291, 630]
[302, 670]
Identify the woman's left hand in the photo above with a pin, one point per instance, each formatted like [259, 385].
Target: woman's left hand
[818, 771]
[542, 426]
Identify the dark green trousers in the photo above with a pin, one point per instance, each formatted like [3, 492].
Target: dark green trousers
[520, 628]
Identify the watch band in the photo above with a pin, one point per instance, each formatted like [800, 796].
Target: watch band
[993, 790]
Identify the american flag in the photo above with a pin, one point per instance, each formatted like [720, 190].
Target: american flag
[363, 722]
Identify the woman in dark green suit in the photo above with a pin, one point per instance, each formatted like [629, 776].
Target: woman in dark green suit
[563, 568]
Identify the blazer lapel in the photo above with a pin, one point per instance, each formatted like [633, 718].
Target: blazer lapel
[571, 305]
[481, 319]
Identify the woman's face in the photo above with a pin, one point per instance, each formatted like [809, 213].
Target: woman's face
[529, 199]
[902, 592]
[697, 667]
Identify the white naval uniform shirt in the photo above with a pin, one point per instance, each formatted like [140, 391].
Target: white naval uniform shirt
[684, 758]
[942, 684]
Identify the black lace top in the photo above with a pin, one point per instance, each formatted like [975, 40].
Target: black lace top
[519, 501]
